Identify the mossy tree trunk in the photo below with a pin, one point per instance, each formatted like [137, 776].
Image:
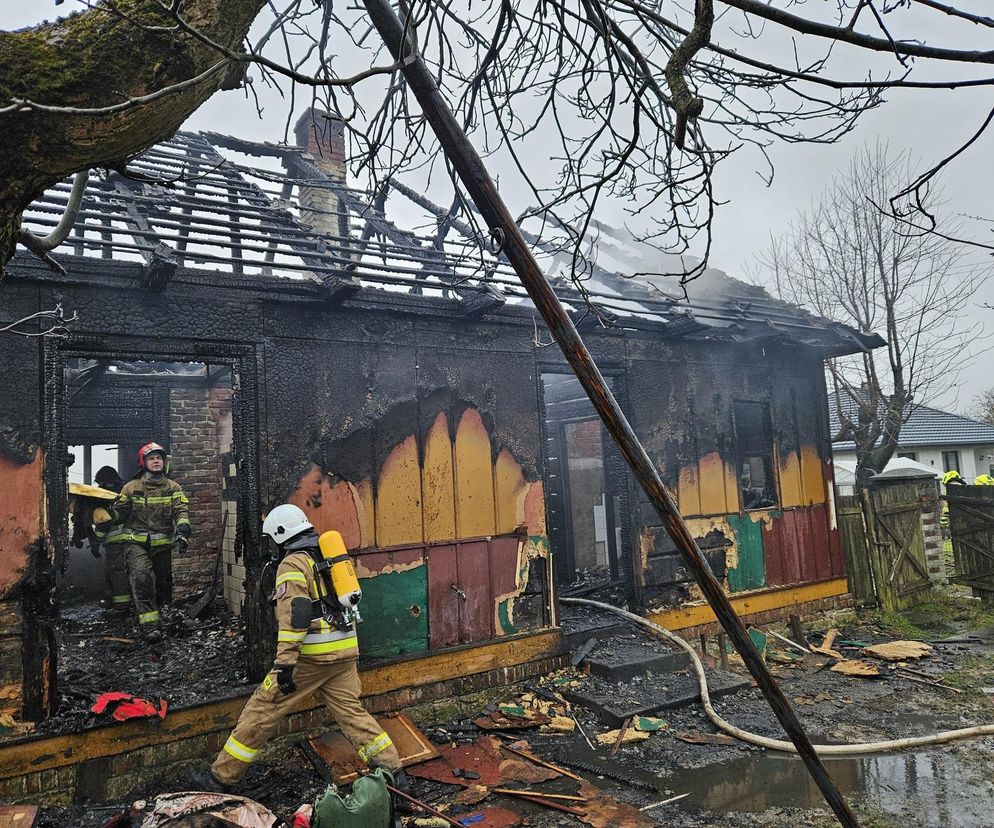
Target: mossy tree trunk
[97, 59]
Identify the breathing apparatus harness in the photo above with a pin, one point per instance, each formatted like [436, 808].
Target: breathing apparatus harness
[337, 585]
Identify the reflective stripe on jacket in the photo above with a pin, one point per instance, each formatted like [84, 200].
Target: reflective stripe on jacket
[150, 511]
[296, 580]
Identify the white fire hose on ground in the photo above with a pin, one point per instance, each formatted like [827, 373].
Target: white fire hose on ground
[780, 744]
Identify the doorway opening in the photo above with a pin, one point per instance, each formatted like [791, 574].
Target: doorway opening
[585, 493]
[111, 408]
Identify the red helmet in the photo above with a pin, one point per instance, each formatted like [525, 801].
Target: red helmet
[146, 450]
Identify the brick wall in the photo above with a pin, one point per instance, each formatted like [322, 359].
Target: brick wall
[199, 421]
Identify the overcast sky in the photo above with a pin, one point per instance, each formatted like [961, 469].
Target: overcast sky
[928, 124]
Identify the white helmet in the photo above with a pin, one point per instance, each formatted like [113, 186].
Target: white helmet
[285, 522]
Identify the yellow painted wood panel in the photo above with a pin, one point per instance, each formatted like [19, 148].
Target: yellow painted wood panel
[689, 495]
[398, 497]
[510, 488]
[474, 476]
[438, 483]
[812, 476]
[791, 493]
[711, 482]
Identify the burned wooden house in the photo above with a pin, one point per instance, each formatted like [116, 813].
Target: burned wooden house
[289, 342]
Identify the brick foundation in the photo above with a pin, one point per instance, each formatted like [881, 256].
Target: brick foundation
[119, 777]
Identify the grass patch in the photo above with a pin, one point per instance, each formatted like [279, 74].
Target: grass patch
[974, 671]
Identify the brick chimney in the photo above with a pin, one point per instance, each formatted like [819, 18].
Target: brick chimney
[322, 134]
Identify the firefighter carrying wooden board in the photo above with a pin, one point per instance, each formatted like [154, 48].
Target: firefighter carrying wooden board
[154, 515]
[316, 594]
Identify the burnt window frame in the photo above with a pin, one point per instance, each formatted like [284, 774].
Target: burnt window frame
[771, 491]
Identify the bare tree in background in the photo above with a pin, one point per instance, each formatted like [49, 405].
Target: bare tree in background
[848, 260]
[588, 102]
[982, 407]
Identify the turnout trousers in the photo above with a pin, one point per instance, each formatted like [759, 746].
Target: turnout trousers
[337, 686]
[141, 573]
[116, 570]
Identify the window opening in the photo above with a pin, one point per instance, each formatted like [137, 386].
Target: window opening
[754, 436]
[950, 461]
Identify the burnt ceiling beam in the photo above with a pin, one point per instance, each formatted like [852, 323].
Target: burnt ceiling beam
[160, 259]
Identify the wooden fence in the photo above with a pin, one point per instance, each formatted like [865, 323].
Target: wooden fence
[884, 545]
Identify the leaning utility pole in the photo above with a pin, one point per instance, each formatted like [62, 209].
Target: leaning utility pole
[467, 162]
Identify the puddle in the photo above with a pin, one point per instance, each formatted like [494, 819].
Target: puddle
[936, 789]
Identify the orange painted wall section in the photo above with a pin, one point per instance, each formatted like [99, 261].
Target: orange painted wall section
[20, 517]
[475, 507]
[451, 491]
[438, 483]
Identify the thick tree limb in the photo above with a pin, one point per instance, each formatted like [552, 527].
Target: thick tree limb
[98, 59]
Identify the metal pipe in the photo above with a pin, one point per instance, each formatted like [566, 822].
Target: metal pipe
[468, 164]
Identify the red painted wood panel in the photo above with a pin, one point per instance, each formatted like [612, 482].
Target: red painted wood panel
[443, 607]
[476, 609]
[838, 558]
[503, 565]
[806, 547]
[799, 547]
[773, 555]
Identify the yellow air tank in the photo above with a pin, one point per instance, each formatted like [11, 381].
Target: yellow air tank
[343, 577]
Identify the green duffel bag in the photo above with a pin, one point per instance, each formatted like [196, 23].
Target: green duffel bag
[368, 806]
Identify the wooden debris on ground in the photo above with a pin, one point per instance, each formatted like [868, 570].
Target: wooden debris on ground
[899, 650]
[492, 817]
[482, 757]
[471, 795]
[697, 737]
[528, 773]
[604, 811]
[857, 667]
[630, 735]
[825, 648]
[344, 763]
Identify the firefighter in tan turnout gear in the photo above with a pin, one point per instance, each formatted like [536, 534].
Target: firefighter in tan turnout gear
[316, 652]
[153, 515]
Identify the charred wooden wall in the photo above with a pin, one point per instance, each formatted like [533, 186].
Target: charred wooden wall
[418, 436]
[682, 399]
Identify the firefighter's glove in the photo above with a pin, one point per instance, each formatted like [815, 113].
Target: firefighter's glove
[95, 549]
[284, 678]
[182, 543]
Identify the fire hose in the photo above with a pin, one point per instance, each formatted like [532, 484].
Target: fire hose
[780, 744]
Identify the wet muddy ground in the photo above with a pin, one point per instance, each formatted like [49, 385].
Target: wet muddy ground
[736, 785]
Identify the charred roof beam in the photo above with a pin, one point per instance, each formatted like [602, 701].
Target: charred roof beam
[161, 261]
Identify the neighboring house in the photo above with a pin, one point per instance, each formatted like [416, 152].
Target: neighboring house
[371, 376]
[939, 440]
